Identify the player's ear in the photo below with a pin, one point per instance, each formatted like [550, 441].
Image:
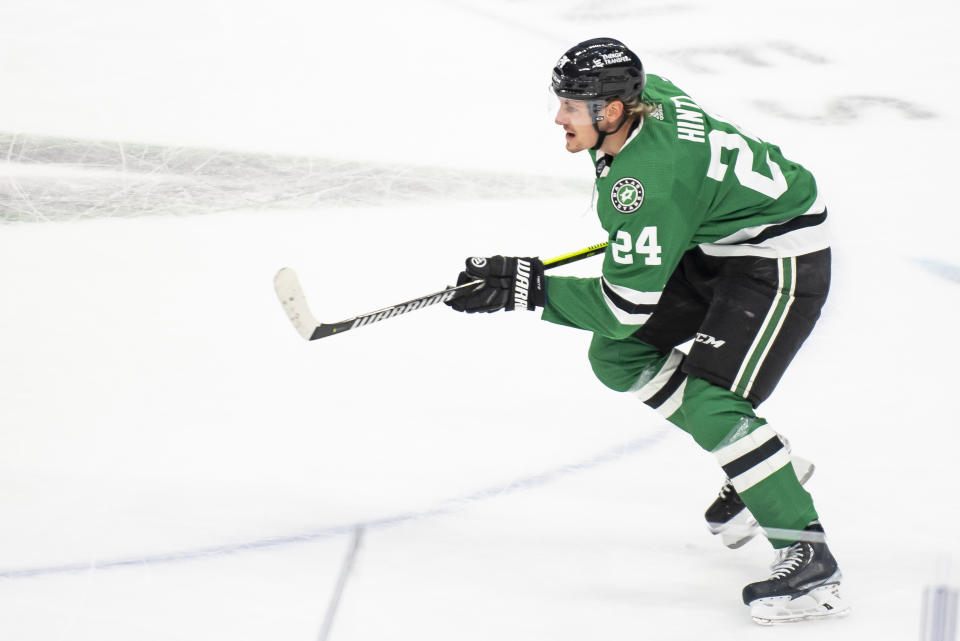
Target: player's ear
[613, 111]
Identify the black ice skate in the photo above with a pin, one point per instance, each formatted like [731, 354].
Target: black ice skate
[804, 584]
[729, 517]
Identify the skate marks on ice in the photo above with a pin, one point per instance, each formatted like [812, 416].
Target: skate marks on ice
[847, 109]
[840, 110]
[545, 20]
[588, 10]
[47, 178]
[443, 507]
[699, 59]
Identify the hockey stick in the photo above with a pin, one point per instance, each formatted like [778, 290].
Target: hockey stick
[291, 296]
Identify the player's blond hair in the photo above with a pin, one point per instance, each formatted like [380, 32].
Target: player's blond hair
[636, 107]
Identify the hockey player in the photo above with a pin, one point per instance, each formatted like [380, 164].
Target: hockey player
[716, 238]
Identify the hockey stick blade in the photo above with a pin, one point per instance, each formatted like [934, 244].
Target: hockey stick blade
[294, 303]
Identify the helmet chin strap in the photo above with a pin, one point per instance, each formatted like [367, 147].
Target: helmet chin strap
[601, 135]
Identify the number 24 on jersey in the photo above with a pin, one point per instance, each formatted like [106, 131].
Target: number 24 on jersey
[646, 245]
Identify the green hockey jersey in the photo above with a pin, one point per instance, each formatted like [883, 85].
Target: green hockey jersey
[684, 179]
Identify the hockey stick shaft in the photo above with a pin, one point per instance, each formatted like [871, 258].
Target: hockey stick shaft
[294, 301]
[573, 257]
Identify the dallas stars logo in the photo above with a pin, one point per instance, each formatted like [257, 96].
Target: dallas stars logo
[627, 195]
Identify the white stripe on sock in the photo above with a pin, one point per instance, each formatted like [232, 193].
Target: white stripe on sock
[761, 470]
[653, 386]
[748, 443]
[673, 403]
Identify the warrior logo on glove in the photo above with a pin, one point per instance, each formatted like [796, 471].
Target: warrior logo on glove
[508, 283]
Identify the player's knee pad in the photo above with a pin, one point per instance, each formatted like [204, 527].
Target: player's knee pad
[753, 456]
[661, 385]
[618, 363]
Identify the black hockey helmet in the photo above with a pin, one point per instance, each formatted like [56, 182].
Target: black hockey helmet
[599, 69]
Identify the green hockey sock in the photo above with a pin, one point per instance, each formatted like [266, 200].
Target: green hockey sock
[749, 450]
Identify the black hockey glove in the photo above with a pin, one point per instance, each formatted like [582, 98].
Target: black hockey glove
[510, 283]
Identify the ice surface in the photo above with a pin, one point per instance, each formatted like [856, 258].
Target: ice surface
[176, 463]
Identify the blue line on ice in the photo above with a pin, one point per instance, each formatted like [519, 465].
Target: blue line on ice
[445, 506]
[940, 268]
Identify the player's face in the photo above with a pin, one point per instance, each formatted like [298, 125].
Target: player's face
[577, 121]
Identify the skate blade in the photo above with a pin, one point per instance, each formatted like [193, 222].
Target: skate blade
[819, 603]
[737, 531]
[734, 542]
[802, 468]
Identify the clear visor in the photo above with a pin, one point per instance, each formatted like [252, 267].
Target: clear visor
[567, 111]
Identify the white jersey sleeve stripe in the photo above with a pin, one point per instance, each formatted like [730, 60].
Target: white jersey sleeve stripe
[623, 317]
[634, 296]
